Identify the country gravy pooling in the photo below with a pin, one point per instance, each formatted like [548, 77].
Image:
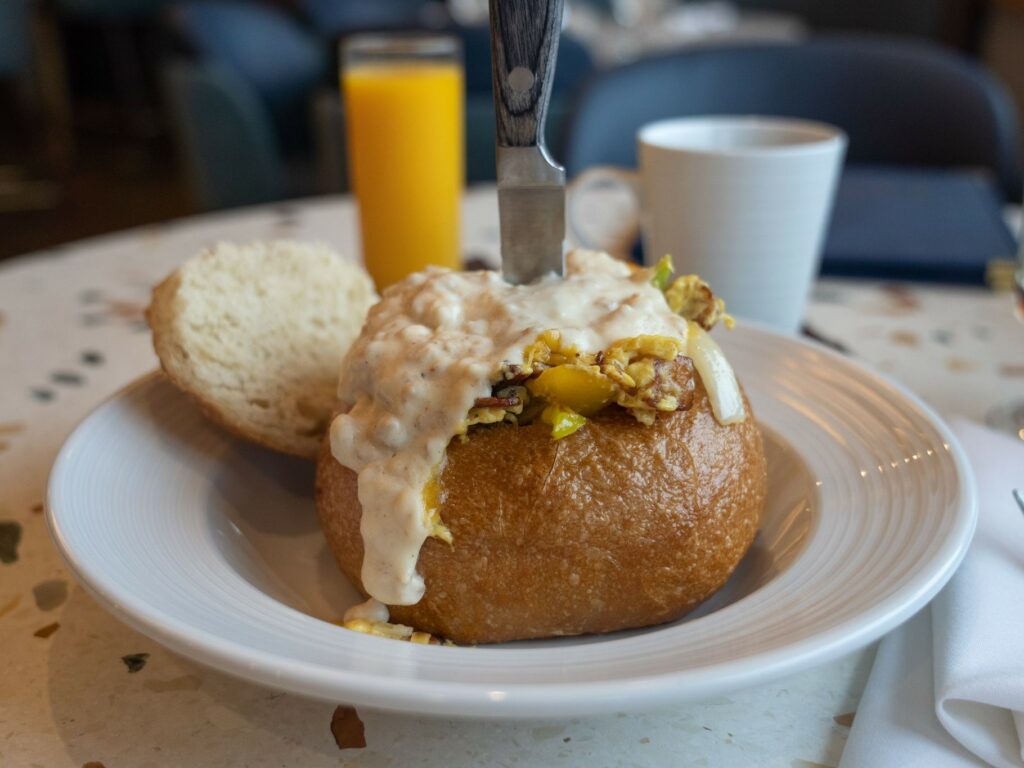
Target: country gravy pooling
[432, 346]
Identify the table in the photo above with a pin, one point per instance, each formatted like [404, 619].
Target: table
[72, 332]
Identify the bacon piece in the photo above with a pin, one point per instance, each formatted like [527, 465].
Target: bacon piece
[496, 402]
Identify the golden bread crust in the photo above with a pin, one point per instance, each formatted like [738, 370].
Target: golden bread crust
[618, 525]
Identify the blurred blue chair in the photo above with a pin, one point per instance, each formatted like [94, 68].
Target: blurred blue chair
[901, 103]
[113, 10]
[15, 39]
[573, 67]
[337, 18]
[226, 135]
[281, 62]
[606, 7]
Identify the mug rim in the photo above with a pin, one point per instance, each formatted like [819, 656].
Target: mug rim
[817, 136]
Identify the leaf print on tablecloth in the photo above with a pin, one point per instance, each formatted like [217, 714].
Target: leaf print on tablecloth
[904, 338]
[67, 377]
[9, 606]
[960, 364]
[48, 630]
[827, 294]
[50, 594]
[119, 311]
[10, 538]
[1012, 370]
[8, 429]
[347, 728]
[899, 299]
[135, 661]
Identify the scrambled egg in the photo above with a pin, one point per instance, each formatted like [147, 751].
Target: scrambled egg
[432, 505]
[692, 298]
[569, 385]
[394, 631]
[629, 373]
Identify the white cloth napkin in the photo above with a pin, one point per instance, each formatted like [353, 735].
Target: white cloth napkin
[947, 688]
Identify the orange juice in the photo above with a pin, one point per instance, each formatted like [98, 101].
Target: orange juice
[405, 149]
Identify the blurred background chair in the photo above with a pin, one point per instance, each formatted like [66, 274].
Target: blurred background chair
[281, 61]
[255, 67]
[901, 103]
[955, 23]
[227, 139]
[102, 70]
[333, 19]
[933, 141]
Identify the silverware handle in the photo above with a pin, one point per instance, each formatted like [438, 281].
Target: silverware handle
[524, 44]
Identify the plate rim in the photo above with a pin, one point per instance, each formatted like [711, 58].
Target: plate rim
[530, 700]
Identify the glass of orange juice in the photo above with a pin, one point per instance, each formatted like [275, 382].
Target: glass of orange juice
[403, 101]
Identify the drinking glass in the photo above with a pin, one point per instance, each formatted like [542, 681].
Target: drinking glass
[1009, 417]
[403, 102]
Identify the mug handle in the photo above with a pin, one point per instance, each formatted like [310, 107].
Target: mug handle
[619, 240]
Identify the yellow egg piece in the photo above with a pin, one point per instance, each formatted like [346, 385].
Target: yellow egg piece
[584, 389]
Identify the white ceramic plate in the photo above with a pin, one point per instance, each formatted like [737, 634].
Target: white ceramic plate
[211, 547]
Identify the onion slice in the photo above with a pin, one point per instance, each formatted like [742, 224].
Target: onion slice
[717, 375]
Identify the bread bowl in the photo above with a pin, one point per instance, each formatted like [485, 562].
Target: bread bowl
[533, 461]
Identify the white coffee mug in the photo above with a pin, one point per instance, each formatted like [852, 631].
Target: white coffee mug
[742, 201]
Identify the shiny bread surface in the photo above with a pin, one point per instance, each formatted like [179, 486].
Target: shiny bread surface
[618, 525]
